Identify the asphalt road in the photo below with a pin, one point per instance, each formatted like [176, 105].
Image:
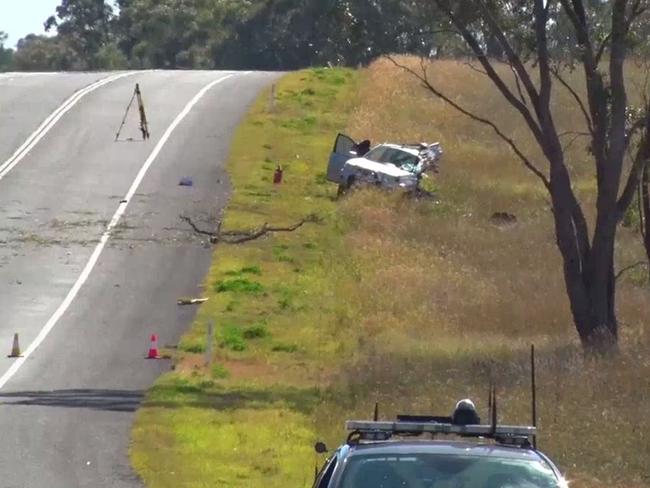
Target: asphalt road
[66, 410]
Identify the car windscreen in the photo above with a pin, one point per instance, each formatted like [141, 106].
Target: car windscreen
[376, 154]
[385, 154]
[440, 471]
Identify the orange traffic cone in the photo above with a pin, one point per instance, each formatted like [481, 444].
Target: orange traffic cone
[153, 348]
[15, 349]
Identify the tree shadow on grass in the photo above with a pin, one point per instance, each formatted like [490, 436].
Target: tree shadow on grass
[94, 399]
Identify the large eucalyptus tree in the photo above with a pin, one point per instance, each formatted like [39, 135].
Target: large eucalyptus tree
[538, 39]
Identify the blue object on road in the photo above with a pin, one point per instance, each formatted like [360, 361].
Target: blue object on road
[185, 181]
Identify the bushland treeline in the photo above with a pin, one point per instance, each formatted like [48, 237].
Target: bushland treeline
[254, 34]
[204, 34]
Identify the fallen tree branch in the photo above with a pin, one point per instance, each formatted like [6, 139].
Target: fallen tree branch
[240, 236]
[200, 231]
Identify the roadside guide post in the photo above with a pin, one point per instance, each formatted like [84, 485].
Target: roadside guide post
[208, 345]
[272, 99]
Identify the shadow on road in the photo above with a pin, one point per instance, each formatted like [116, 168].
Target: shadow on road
[109, 400]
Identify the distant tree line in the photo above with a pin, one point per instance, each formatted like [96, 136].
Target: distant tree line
[253, 34]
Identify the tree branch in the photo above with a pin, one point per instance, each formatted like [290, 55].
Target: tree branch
[518, 85]
[240, 236]
[184, 218]
[602, 47]
[541, 19]
[576, 136]
[640, 161]
[513, 58]
[475, 46]
[577, 98]
[427, 84]
[618, 111]
[474, 68]
[635, 12]
[576, 12]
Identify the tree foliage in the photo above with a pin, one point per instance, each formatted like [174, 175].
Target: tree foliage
[262, 34]
[6, 54]
[288, 34]
[41, 53]
[85, 27]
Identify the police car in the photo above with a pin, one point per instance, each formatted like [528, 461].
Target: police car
[393, 166]
[409, 453]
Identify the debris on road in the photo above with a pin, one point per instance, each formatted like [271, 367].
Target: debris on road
[191, 301]
[186, 181]
[393, 166]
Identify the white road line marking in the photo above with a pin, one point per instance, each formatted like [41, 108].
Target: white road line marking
[72, 294]
[51, 121]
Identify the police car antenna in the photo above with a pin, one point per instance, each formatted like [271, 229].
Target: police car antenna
[533, 385]
[493, 408]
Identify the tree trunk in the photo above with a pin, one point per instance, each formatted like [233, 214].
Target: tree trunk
[645, 206]
[588, 273]
[592, 297]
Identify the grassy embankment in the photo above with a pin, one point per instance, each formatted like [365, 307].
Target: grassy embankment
[412, 304]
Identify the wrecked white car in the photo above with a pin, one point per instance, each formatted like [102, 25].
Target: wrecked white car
[392, 166]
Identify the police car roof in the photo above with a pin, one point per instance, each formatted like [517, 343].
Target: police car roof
[458, 448]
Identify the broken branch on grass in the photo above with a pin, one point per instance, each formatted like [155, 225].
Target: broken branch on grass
[240, 236]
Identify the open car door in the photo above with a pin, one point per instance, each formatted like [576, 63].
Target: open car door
[344, 149]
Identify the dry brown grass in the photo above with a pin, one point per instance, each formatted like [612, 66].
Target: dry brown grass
[444, 300]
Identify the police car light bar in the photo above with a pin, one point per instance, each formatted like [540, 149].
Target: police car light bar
[382, 427]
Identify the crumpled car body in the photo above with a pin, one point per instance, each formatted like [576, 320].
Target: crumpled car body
[391, 166]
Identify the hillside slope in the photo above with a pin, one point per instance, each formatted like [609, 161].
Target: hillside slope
[413, 304]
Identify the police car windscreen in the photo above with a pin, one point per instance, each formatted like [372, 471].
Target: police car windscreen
[442, 471]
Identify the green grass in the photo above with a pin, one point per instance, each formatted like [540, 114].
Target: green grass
[254, 270]
[239, 285]
[191, 433]
[284, 347]
[257, 331]
[233, 338]
[248, 420]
